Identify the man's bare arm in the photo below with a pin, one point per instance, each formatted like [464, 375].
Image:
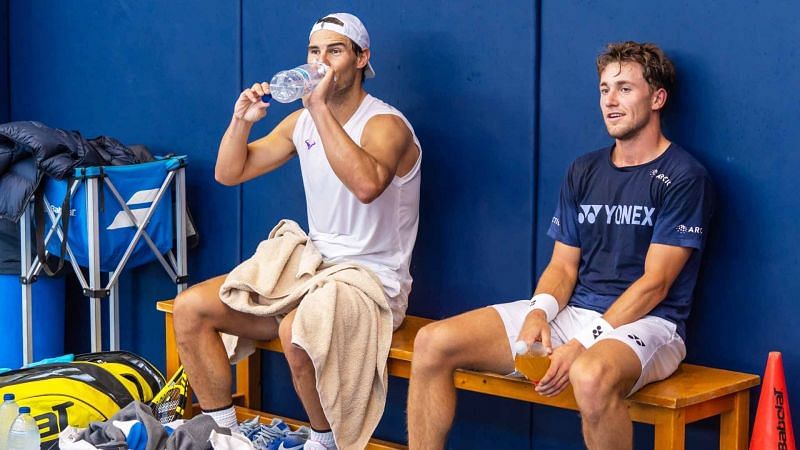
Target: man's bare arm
[662, 266]
[365, 169]
[238, 161]
[558, 279]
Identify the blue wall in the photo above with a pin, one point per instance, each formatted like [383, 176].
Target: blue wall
[503, 97]
[4, 88]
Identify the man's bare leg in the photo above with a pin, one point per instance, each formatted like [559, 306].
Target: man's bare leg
[199, 315]
[475, 340]
[601, 378]
[303, 375]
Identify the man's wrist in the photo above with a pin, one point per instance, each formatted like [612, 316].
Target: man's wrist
[590, 334]
[546, 303]
[240, 123]
[317, 108]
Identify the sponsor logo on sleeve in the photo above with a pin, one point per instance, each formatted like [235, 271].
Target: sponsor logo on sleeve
[683, 229]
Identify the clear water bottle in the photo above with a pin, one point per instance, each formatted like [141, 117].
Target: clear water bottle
[24, 433]
[289, 85]
[8, 412]
[531, 361]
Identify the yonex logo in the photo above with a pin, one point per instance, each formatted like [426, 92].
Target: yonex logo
[597, 331]
[636, 339]
[588, 213]
[618, 214]
[121, 220]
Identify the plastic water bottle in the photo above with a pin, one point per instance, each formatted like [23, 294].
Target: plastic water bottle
[24, 434]
[8, 412]
[289, 85]
[531, 361]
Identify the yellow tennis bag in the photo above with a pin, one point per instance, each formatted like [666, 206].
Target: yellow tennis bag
[91, 388]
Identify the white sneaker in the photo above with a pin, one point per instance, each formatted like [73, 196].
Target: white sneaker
[314, 445]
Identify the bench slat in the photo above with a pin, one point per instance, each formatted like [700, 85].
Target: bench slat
[692, 393]
[689, 385]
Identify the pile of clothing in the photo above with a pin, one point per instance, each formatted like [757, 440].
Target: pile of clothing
[136, 428]
[29, 150]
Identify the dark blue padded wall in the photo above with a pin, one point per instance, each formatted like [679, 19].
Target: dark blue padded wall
[735, 108]
[4, 88]
[152, 75]
[474, 118]
[466, 77]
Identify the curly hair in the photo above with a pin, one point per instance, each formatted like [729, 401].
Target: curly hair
[658, 70]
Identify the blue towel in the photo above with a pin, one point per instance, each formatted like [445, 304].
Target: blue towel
[69, 357]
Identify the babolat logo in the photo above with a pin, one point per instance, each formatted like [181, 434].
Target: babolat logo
[52, 423]
[781, 416]
[57, 210]
[121, 220]
[617, 214]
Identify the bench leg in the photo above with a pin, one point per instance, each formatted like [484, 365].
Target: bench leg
[734, 424]
[173, 361]
[670, 430]
[248, 380]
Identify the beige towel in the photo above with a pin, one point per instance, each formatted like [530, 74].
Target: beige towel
[343, 322]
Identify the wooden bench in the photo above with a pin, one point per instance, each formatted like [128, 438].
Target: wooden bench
[693, 393]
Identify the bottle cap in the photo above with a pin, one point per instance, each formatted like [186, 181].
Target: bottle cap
[520, 348]
[537, 349]
[24, 409]
[8, 396]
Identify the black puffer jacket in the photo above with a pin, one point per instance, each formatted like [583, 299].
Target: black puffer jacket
[30, 149]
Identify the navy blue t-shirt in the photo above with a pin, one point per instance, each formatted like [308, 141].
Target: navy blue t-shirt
[614, 213]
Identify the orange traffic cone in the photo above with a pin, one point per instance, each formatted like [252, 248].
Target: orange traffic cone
[773, 427]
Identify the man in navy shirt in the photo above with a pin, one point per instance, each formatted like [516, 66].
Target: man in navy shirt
[610, 307]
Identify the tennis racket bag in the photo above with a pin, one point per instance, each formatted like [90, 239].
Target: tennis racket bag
[91, 388]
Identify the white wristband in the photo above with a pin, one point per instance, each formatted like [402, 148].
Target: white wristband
[589, 335]
[546, 303]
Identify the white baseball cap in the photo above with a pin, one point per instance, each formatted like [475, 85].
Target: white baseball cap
[347, 25]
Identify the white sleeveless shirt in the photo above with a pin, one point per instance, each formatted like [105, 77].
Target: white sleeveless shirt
[379, 235]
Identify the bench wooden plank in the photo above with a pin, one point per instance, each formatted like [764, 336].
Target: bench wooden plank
[692, 393]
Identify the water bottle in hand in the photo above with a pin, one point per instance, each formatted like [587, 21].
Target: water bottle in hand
[531, 361]
[8, 412]
[289, 85]
[24, 433]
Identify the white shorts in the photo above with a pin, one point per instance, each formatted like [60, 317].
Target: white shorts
[654, 340]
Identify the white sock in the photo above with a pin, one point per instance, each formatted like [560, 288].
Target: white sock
[325, 439]
[225, 417]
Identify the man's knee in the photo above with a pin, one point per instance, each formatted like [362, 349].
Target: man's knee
[192, 310]
[186, 308]
[597, 384]
[285, 331]
[436, 347]
[298, 359]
